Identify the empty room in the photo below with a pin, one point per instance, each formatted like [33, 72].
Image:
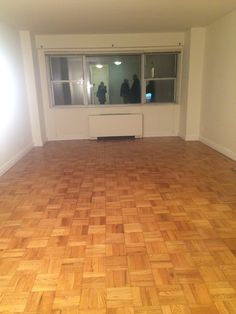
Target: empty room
[118, 157]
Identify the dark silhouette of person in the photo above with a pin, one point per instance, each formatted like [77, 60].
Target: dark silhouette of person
[150, 89]
[101, 93]
[125, 91]
[135, 90]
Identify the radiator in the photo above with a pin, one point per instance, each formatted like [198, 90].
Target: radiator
[120, 124]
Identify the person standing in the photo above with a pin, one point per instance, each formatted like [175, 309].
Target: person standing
[125, 91]
[136, 90]
[101, 93]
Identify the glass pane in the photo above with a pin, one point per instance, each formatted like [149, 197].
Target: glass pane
[68, 94]
[66, 68]
[113, 79]
[160, 91]
[161, 65]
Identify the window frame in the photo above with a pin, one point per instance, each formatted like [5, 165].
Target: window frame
[167, 78]
[142, 53]
[51, 81]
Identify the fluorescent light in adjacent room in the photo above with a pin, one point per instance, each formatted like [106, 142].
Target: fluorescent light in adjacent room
[117, 62]
[99, 66]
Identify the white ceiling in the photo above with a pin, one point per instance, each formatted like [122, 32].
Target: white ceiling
[111, 16]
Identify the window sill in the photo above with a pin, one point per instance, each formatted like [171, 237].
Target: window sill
[113, 106]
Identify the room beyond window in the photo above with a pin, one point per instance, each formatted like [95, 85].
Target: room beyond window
[109, 79]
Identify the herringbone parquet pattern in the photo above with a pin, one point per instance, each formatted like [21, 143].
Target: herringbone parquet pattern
[119, 227]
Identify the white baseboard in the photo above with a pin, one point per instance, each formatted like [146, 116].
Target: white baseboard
[221, 149]
[10, 163]
[191, 138]
[181, 136]
[76, 137]
[67, 138]
[160, 134]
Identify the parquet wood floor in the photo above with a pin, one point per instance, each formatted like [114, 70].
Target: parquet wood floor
[119, 227]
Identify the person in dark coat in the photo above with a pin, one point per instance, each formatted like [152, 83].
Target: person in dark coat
[136, 90]
[101, 93]
[125, 91]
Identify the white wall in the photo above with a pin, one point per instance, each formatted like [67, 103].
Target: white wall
[15, 131]
[72, 122]
[218, 116]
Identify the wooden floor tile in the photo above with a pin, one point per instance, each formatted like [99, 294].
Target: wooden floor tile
[148, 310]
[67, 299]
[116, 263]
[221, 290]
[69, 280]
[21, 282]
[93, 298]
[145, 296]
[175, 308]
[204, 309]
[116, 249]
[94, 280]
[45, 282]
[142, 278]
[227, 306]
[121, 310]
[117, 278]
[164, 276]
[138, 262]
[196, 294]
[119, 297]
[13, 301]
[171, 294]
[40, 302]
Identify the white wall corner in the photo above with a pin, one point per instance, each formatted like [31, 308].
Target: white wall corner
[191, 137]
[221, 149]
[188, 137]
[181, 136]
[10, 163]
[218, 128]
[27, 55]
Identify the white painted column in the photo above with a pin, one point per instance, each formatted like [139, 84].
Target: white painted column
[184, 86]
[195, 77]
[31, 89]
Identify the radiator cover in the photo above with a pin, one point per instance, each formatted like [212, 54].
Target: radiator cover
[119, 124]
